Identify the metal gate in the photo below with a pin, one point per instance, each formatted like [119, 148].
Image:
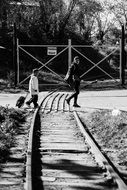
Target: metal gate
[68, 48]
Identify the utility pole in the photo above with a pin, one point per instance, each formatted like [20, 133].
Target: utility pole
[122, 57]
[15, 52]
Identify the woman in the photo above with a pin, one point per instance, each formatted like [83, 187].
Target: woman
[73, 79]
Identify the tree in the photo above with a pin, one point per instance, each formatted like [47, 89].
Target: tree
[119, 9]
[104, 24]
[84, 17]
[3, 15]
[54, 17]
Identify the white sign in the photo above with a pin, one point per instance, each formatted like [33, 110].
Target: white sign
[52, 51]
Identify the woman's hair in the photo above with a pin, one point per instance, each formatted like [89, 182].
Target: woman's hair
[76, 57]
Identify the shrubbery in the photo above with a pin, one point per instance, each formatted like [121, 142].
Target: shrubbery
[10, 121]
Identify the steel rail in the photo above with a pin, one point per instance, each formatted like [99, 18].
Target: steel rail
[58, 102]
[112, 174]
[46, 102]
[64, 102]
[28, 184]
[100, 157]
[51, 103]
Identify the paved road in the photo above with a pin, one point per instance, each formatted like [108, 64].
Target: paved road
[111, 99]
[10, 99]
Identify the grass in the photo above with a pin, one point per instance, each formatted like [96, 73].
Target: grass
[106, 125]
[110, 130]
[10, 121]
[48, 80]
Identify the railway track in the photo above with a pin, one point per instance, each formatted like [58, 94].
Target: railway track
[62, 155]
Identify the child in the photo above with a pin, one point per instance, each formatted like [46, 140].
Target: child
[33, 89]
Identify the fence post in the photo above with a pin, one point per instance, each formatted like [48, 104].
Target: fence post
[17, 61]
[69, 53]
[122, 57]
[15, 52]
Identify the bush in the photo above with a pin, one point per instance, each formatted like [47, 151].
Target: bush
[10, 120]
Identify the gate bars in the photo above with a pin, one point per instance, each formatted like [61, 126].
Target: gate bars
[96, 65]
[43, 64]
[69, 47]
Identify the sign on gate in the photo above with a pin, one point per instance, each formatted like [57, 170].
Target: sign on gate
[51, 51]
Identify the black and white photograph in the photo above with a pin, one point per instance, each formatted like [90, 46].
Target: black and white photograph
[63, 94]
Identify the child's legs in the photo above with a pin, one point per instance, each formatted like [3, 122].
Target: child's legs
[35, 99]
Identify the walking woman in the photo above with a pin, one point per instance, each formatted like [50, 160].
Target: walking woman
[73, 79]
